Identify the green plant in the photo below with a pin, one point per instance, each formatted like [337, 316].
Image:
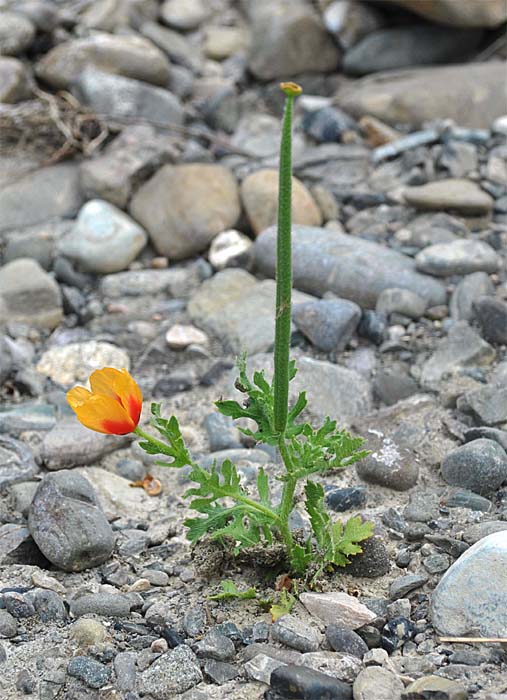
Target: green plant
[224, 506]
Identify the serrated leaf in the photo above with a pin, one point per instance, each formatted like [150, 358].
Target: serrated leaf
[284, 605]
[343, 541]
[315, 507]
[263, 486]
[173, 445]
[229, 591]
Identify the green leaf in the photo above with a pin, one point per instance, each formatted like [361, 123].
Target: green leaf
[173, 446]
[315, 507]
[263, 486]
[229, 591]
[343, 540]
[284, 605]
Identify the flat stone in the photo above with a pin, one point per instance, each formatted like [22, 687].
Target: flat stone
[300, 682]
[15, 84]
[489, 404]
[339, 608]
[260, 667]
[179, 337]
[68, 524]
[103, 239]
[492, 317]
[461, 257]
[12, 536]
[138, 283]
[454, 194]
[48, 193]
[434, 687]
[295, 634]
[466, 93]
[29, 295]
[466, 293]
[121, 97]
[183, 15]
[259, 195]
[401, 301]
[389, 464]
[116, 496]
[91, 672]
[474, 533]
[353, 268]
[74, 362]
[379, 683]
[103, 604]
[402, 586]
[184, 207]
[172, 673]
[328, 323]
[126, 55]
[17, 463]
[345, 641]
[462, 347]
[343, 667]
[470, 596]
[479, 465]
[220, 672]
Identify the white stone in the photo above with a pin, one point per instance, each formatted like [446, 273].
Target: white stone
[179, 337]
[228, 246]
[75, 362]
[339, 608]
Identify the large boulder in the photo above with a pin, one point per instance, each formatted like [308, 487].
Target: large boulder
[329, 261]
[472, 13]
[467, 93]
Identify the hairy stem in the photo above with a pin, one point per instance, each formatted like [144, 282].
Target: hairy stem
[284, 265]
[287, 503]
[162, 447]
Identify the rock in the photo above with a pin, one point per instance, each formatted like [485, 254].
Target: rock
[17, 463]
[327, 125]
[275, 51]
[37, 242]
[230, 249]
[222, 432]
[171, 674]
[468, 499]
[410, 45]
[343, 667]
[492, 317]
[222, 42]
[47, 193]
[295, 634]
[13, 540]
[375, 683]
[179, 337]
[465, 93]
[480, 466]
[104, 239]
[402, 586]
[260, 667]
[236, 308]
[258, 135]
[130, 56]
[120, 97]
[349, 21]
[341, 608]
[467, 291]
[68, 524]
[143, 283]
[116, 496]
[8, 625]
[300, 682]
[125, 670]
[389, 464]
[352, 268]
[394, 385]
[432, 687]
[460, 257]
[259, 195]
[471, 14]
[328, 323]
[69, 444]
[489, 404]
[184, 207]
[91, 672]
[463, 347]
[123, 165]
[73, 363]
[454, 194]
[49, 606]
[373, 326]
[183, 14]
[103, 604]
[16, 33]
[15, 84]
[341, 500]
[109, 15]
[175, 44]
[401, 301]
[215, 645]
[372, 562]
[220, 672]
[468, 597]
[476, 532]
[345, 641]
[29, 295]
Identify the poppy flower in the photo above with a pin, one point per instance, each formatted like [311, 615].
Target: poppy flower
[112, 406]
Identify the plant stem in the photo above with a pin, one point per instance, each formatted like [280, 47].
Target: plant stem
[284, 265]
[162, 447]
[287, 503]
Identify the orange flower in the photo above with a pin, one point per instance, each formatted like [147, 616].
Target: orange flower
[112, 406]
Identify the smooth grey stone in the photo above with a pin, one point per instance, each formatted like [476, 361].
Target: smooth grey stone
[296, 634]
[222, 432]
[345, 641]
[328, 323]
[471, 595]
[480, 466]
[215, 645]
[404, 585]
[393, 384]
[8, 625]
[125, 670]
[300, 682]
[351, 267]
[388, 465]
[70, 444]
[461, 257]
[379, 683]
[467, 291]
[499, 436]
[401, 301]
[27, 417]
[68, 524]
[468, 499]
[489, 404]
[29, 295]
[491, 314]
[104, 604]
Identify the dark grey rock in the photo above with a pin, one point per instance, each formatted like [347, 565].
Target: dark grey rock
[436, 563]
[467, 291]
[499, 436]
[91, 672]
[351, 267]
[480, 466]
[468, 499]
[25, 682]
[8, 625]
[492, 317]
[125, 670]
[222, 432]
[328, 323]
[68, 524]
[195, 621]
[106, 604]
[294, 633]
[423, 506]
[388, 464]
[220, 672]
[393, 384]
[373, 562]
[300, 682]
[18, 605]
[404, 585]
[16, 462]
[345, 641]
[373, 326]
[49, 606]
[411, 45]
[70, 444]
[344, 499]
[215, 645]
[488, 404]
[327, 124]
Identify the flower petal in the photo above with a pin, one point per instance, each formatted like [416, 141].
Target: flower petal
[104, 415]
[119, 385]
[78, 396]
